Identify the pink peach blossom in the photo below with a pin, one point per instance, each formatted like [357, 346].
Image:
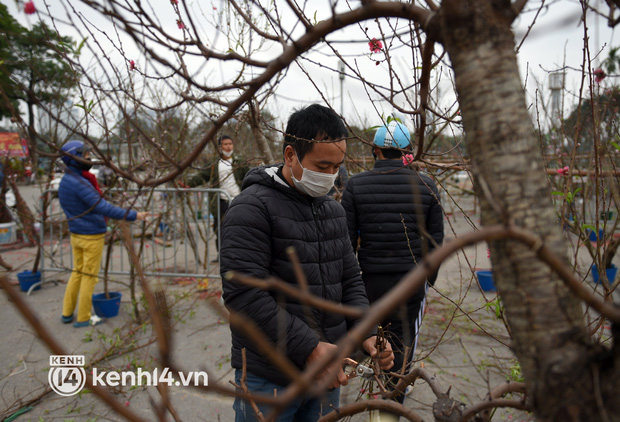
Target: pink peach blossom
[599, 75]
[29, 8]
[407, 159]
[375, 45]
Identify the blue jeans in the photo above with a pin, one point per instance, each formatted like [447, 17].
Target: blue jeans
[303, 409]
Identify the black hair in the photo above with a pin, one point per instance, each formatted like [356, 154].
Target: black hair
[309, 123]
[391, 153]
[221, 138]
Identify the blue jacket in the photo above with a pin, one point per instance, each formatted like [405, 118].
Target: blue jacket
[84, 207]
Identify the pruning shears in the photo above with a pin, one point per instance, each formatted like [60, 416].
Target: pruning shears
[359, 370]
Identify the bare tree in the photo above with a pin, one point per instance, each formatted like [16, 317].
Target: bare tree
[569, 375]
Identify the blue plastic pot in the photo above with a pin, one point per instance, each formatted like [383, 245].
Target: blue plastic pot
[485, 279]
[594, 237]
[107, 308]
[27, 279]
[610, 272]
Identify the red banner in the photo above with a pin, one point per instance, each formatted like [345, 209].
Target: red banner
[12, 146]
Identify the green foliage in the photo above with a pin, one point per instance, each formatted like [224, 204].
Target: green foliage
[612, 62]
[585, 227]
[10, 30]
[515, 373]
[387, 122]
[45, 71]
[570, 196]
[496, 306]
[34, 64]
[87, 108]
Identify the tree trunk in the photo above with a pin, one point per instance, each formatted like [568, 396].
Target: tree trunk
[568, 376]
[24, 214]
[261, 142]
[32, 133]
[5, 214]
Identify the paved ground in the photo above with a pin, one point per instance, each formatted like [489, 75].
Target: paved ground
[463, 343]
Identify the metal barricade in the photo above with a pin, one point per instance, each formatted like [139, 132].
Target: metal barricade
[178, 241]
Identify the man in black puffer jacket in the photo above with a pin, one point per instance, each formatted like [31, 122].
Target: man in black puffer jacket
[279, 207]
[395, 213]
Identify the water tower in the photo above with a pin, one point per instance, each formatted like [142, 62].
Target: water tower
[556, 85]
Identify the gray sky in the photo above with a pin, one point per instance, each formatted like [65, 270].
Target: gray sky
[555, 41]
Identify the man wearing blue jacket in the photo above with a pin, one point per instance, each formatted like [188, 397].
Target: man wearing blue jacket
[82, 201]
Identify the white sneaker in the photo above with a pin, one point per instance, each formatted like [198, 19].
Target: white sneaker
[94, 320]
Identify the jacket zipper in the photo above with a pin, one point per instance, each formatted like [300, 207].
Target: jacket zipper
[319, 233]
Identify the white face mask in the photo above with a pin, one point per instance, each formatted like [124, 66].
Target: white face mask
[314, 183]
[227, 154]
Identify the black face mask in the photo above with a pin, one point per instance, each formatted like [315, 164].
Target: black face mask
[81, 166]
[86, 166]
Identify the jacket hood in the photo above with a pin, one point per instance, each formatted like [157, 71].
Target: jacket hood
[264, 175]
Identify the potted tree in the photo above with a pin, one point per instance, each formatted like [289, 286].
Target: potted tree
[107, 304]
[28, 280]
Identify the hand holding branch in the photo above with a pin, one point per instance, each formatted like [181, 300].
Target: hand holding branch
[384, 358]
[334, 370]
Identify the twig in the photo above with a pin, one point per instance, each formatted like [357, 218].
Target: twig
[366, 405]
[299, 274]
[163, 341]
[410, 379]
[272, 283]
[251, 330]
[5, 265]
[483, 405]
[414, 280]
[244, 386]
[55, 347]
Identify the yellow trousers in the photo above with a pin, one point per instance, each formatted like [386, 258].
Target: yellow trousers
[87, 251]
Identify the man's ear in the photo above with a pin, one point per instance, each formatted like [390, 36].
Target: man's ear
[289, 153]
[378, 152]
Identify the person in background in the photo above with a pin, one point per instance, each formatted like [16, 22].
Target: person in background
[82, 202]
[106, 174]
[396, 214]
[28, 173]
[226, 172]
[340, 184]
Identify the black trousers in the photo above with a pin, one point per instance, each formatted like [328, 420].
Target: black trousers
[402, 326]
[217, 221]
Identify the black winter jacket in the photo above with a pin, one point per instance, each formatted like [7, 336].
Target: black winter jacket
[262, 222]
[377, 201]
